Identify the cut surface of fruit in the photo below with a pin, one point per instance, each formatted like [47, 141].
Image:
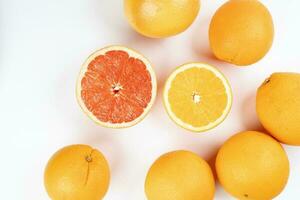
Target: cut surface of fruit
[197, 97]
[116, 87]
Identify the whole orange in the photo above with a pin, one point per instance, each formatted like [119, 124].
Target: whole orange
[180, 175]
[278, 106]
[160, 19]
[77, 172]
[252, 165]
[241, 32]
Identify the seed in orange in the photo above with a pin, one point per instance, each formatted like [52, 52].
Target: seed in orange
[77, 172]
[116, 87]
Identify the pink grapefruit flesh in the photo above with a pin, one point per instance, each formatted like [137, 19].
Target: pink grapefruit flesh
[116, 87]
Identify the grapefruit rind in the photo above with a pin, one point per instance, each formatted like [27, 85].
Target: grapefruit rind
[131, 53]
[177, 120]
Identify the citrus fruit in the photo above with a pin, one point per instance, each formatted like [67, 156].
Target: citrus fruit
[116, 87]
[197, 97]
[158, 19]
[77, 172]
[252, 165]
[241, 32]
[180, 175]
[278, 106]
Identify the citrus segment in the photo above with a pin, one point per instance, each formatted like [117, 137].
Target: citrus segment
[116, 87]
[197, 96]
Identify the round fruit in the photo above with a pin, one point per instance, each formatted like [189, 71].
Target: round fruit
[278, 106]
[252, 165]
[197, 97]
[158, 19]
[180, 175]
[241, 32]
[77, 172]
[116, 87]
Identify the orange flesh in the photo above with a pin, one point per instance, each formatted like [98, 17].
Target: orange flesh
[116, 88]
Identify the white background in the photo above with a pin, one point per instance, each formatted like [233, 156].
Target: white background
[42, 46]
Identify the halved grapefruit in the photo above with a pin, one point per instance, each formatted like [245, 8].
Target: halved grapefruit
[116, 87]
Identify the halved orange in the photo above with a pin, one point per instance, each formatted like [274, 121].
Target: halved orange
[116, 87]
[197, 96]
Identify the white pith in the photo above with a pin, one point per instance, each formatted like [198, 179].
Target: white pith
[196, 97]
[178, 120]
[133, 54]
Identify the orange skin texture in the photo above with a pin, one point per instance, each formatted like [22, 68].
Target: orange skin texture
[241, 32]
[159, 19]
[252, 165]
[180, 175]
[77, 172]
[278, 107]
